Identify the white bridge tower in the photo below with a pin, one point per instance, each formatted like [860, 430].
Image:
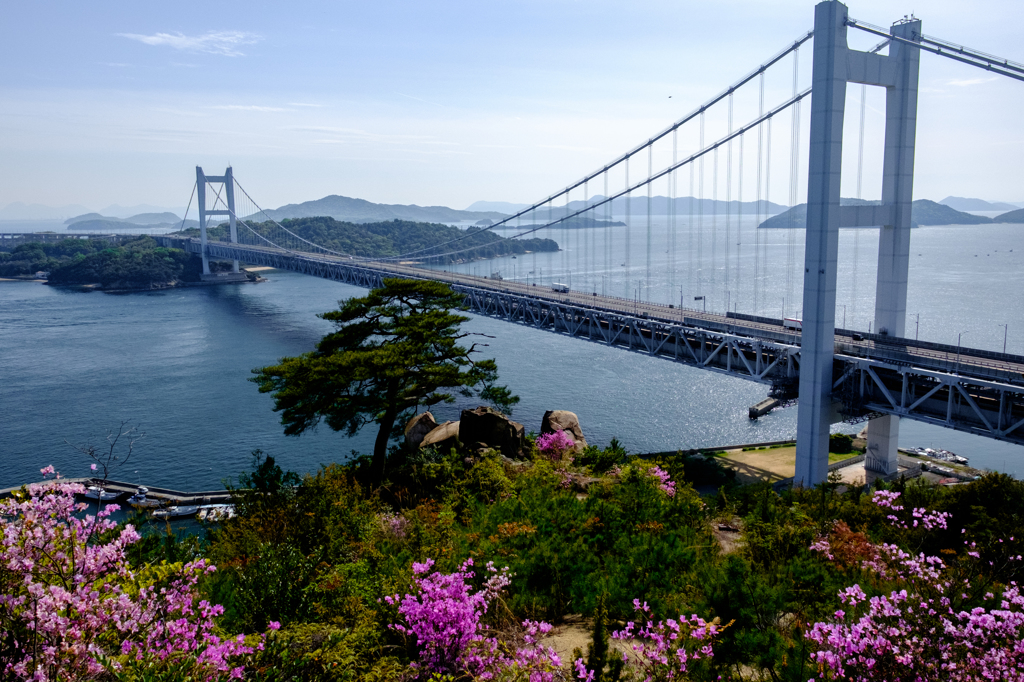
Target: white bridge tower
[835, 65]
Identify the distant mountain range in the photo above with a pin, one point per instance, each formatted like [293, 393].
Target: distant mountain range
[361, 211]
[922, 212]
[93, 222]
[964, 204]
[659, 205]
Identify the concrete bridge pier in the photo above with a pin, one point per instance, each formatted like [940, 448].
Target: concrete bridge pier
[834, 65]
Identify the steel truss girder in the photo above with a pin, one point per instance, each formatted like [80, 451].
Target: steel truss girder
[974, 405]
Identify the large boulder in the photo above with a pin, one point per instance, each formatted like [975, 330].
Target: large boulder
[563, 420]
[487, 426]
[443, 437]
[417, 428]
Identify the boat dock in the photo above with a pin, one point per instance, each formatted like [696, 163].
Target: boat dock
[162, 495]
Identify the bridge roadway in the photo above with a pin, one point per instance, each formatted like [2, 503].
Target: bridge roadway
[967, 389]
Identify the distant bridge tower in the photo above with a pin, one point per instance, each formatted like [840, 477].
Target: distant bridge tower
[835, 65]
[228, 188]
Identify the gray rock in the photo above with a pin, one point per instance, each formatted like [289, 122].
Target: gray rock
[443, 437]
[487, 426]
[563, 420]
[417, 428]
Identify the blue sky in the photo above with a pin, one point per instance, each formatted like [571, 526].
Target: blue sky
[434, 103]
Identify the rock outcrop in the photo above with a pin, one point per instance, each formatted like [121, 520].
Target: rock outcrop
[487, 426]
[417, 428]
[443, 437]
[563, 420]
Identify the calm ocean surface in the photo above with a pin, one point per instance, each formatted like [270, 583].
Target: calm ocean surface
[177, 363]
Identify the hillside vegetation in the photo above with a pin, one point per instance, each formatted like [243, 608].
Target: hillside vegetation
[396, 237]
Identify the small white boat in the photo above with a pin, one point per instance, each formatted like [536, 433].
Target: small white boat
[176, 512]
[216, 512]
[139, 499]
[94, 492]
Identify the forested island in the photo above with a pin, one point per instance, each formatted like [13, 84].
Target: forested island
[922, 212]
[433, 242]
[128, 264]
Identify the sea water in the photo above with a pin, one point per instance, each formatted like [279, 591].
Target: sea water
[177, 363]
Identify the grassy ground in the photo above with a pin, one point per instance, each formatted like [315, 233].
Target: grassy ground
[769, 464]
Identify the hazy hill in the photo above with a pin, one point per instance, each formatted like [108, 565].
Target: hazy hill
[88, 216]
[163, 218]
[922, 212]
[362, 211]
[966, 204]
[660, 205]
[1016, 216]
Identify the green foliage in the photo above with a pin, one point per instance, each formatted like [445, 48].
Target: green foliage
[395, 237]
[840, 443]
[27, 259]
[601, 460]
[134, 264]
[394, 350]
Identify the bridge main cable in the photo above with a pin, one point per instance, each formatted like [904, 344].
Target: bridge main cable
[639, 148]
[966, 55]
[660, 174]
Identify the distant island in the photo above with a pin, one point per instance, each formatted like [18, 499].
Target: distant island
[574, 223]
[96, 222]
[347, 209]
[396, 237]
[923, 212]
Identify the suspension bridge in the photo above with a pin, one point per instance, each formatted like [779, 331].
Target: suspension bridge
[623, 238]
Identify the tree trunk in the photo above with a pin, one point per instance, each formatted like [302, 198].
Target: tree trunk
[380, 446]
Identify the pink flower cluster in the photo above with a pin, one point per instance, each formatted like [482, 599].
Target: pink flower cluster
[555, 444]
[665, 482]
[929, 520]
[919, 631]
[75, 599]
[445, 618]
[394, 525]
[661, 650]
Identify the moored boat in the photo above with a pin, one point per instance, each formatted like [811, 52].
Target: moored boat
[94, 492]
[176, 512]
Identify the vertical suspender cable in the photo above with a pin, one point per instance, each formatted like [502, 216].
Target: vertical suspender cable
[757, 232]
[629, 201]
[794, 174]
[738, 270]
[713, 287]
[700, 212]
[672, 217]
[650, 188]
[767, 205]
[689, 236]
[860, 195]
[728, 206]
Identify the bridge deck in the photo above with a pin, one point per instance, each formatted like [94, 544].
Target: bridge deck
[966, 389]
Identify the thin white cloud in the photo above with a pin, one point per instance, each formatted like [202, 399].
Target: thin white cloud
[248, 107]
[972, 81]
[224, 43]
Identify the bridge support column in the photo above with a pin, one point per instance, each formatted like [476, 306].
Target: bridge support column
[894, 238]
[228, 182]
[201, 197]
[828, 103]
[835, 65]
